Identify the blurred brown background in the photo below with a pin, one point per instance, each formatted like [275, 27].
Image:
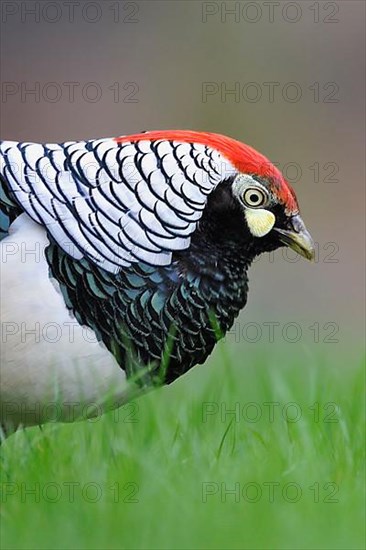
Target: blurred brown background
[109, 68]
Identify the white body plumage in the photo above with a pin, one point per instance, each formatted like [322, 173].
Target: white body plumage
[51, 367]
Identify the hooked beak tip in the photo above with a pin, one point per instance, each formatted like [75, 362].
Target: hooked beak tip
[298, 238]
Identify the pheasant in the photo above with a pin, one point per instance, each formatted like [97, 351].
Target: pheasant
[124, 260]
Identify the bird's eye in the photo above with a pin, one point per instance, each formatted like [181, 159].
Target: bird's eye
[254, 197]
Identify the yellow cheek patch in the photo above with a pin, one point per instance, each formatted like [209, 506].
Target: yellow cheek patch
[260, 221]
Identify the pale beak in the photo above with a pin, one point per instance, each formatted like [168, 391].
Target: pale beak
[298, 238]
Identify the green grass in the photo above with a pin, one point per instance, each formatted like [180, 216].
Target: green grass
[163, 481]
